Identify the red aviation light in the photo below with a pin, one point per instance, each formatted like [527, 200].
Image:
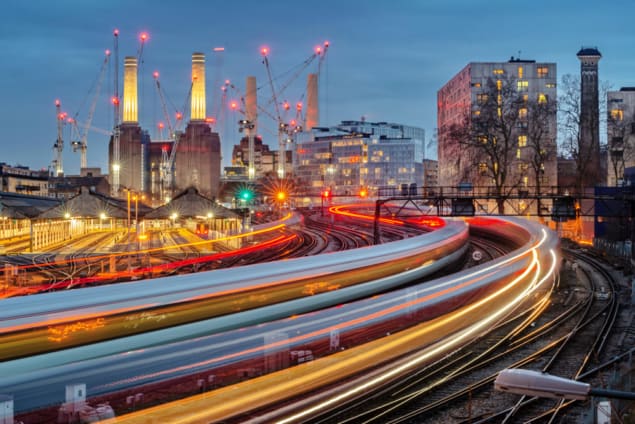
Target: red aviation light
[161, 125]
[219, 49]
[57, 102]
[114, 100]
[179, 116]
[326, 44]
[115, 32]
[286, 105]
[144, 37]
[107, 52]
[155, 74]
[298, 106]
[210, 120]
[264, 51]
[233, 105]
[292, 122]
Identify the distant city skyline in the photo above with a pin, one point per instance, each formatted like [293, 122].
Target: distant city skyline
[386, 60]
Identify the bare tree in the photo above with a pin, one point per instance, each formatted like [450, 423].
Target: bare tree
[541, 139]
[489, 137]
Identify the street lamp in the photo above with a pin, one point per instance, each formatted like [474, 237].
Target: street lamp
[102, 216]
[535, 383]
[210, 215]
[173, 218]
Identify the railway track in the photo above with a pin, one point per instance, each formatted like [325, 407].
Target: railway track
[569, 338]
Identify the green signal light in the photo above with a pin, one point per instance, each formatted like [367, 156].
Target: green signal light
[246, 194]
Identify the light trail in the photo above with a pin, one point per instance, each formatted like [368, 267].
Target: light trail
[275, 387]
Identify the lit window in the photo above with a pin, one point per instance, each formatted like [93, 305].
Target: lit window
[517, 153]
[498, 72]
[542, 98]
[617, 114]
[543, 71]
[520, 72]
[481, 98]
[550, 85]
[499, 85]
[522, 141]
[525, 97]
[476, 84]
[522, 113]
[482, 139]
[482, 168]
[477, 112]
[523, 85]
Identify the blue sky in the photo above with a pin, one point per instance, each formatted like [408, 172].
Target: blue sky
[386, 59]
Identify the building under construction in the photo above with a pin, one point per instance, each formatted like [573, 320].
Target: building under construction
[160, 169]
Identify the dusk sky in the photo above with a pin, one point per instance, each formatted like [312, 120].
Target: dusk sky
[386, 59]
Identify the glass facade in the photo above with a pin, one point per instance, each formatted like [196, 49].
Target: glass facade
[359, 154]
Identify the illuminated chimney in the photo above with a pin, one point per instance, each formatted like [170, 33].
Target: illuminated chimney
[198, 87]
[312, 110]
[130, 103]
[251, 102]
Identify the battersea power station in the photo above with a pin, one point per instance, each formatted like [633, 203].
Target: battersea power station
[158, 169]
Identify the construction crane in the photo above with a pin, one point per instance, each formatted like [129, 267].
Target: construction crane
[59, 143]
[82, 143]
[284, 130]
[164, 105]
[116, 130]
[167, 160]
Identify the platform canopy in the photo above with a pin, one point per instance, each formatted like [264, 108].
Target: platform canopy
[88, 204]
[21, 206]
[191, 204]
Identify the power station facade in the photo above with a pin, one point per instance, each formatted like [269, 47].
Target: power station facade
[192, 159]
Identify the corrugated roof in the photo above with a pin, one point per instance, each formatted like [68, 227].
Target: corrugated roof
[21, 206]
[188, 204]
[90, 205]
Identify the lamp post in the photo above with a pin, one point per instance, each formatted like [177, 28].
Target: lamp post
[173, 217]
[210, 215]
[128, 222]
[535, 383]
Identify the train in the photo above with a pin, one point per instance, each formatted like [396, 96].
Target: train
[60, 320]
[262, 350]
